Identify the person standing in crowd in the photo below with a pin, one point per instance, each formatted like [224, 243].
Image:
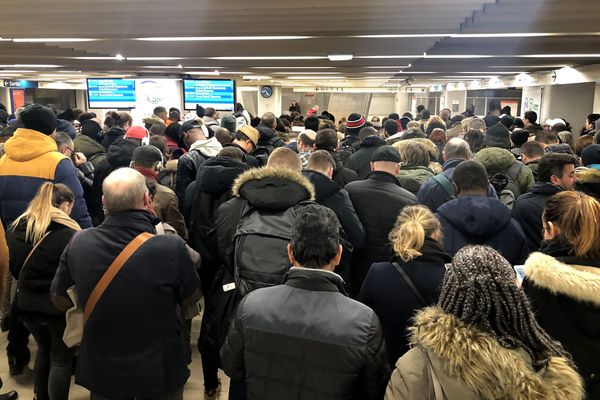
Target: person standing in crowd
[518, 138]
[588, 178]
[211, 119]
[246, 139]
[469, 111]
[12, 395]
[530, 122]
[482, 341]
[121, 124]
[493, 115]
[381, 188]
[556, 173]
[130, 348]
[335, 345]
[563, 280]
[148, 161]
[360, 160]
[410, 280]
[295, 107]
[531, 152]
[475, 218]
[88, 142]
[159, 116]
[306, 146]
[200, 150]
[83, 168]
[327, 140]
[268, 140]
[415, 165]
[312, 111]
[36, 241]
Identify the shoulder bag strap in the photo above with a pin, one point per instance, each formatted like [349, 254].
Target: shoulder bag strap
[410, 284]
[438, 391]
[444, 182]
[112, 271]
[33, 250]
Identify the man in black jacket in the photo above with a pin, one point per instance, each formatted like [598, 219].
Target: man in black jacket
[331, 195]
[268, 138]
[556, 172]
[332, 349]
[327, 140]
[377, 200]
[360, 160]
[246, 139]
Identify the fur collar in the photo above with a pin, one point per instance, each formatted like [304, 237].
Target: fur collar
[487, 368]
[574, 281]
[588, 175]
[256, 174]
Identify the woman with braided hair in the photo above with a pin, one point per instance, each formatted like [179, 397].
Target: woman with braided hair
[482, 341]
[563, 280]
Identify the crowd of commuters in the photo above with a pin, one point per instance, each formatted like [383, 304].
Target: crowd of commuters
[408, 257]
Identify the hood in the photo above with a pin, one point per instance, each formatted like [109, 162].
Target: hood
[574, 281]
[27, 144]
[324, 187]
[588, 176]
[411, 178]
[153, 119]
[559, 148]
[372, 141]
[120, 153]
[210, 147]
[492, 371]
[545, 188]
[495, 159]
[87, 145]
[115, 131]
[217, 175]
[266, 133]
[273, 189]
[476, 216]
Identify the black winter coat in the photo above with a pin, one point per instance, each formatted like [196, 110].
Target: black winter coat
[248, 158]
[33, 297]
[388, 294]
[342, 175]
[187, 168]
[360, 161]
[565, 293]
[484, 221]
[377, 200]
[528, 210]
[113, 134]
[305, 340]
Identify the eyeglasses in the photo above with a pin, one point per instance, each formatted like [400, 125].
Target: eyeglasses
[70, 149]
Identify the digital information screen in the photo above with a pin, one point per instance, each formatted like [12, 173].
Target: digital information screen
[216, 93]
[111, 93]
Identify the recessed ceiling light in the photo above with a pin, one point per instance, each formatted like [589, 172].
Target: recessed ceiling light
[270, 58]
[219, 38]
[164, 66]
[52, 40]
[418, 72]
[340, 57]
[235, 72]
[18, 70]
[62, 76]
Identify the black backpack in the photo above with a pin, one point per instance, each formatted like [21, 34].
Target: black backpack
[505, 183]
[261, 239]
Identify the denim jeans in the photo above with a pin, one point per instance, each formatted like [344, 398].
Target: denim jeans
[54, 360]
[178, 395]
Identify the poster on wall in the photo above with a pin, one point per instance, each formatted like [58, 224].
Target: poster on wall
[532, 100]
[152, 93]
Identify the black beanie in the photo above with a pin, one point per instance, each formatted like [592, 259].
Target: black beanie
[92, 129]
[38, 118]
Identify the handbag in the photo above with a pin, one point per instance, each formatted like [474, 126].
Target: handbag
[76, 317]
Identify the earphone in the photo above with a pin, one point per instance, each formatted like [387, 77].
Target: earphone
[161, 164]
[146, 140]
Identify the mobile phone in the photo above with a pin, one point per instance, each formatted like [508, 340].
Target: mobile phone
[520, 271]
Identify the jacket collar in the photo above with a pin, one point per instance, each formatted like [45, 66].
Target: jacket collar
[579, 282]
[452, 163]
[383, 177]
[545, 188]
[141, 220]
[493, 371]
[314, 279]
[257, 174]
[431, 251]
[147, 172]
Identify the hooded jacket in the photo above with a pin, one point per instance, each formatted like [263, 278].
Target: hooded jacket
[92, 150]
[388, 294]
[116, 132]
[411, 178]
[153, 119]
[497, 160]
[490, 372]
[565, 292]
[484, 221]
[189, 163]
[588, 182]
[377, 200]
[528, 209]
[306, 340]
[360, 160]
[32, 158]
[268, 137]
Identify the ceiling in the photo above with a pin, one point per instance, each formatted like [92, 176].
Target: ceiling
[426, 40]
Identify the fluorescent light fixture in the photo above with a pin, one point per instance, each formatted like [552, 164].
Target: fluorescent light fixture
[211, 73]
[388, 66]
[235, 72]
[521, 34]
[52, 40]
[390, 56]
[9, 75]
[469, 76]
[164, 66]
[305, 73]
[250, 58]
[528, 66]
[402, 35]
[487, 72]
[382, 73]
[417, 72]
[218, 38]
[30, 66]
[62, 76]
[18, 70]
[296, 67]
[315, 77]
[206, 67]
[558, 56]
[153, 58]
[443, 56]
[95, 58]
[340, 57]
[256, 77]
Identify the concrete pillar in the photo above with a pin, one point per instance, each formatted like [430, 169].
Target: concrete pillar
[402, 104]
[597, 98]
[272, 104]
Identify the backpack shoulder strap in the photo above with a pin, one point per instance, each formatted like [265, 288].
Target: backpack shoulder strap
[444, 182]
[410, 284]
[514, 170]
[112, 271]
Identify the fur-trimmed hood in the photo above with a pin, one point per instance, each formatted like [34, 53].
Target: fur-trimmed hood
[588, 175]
[272, 188]
[574, 281]
[487, 368]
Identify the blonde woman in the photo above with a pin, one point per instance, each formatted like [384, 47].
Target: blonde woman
[410, 280]
[36, 240]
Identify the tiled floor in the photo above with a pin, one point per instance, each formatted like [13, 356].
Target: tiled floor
[194, 389]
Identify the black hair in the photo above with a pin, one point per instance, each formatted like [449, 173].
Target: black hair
[531, 116]
[254, 122]
[407, 115]
[279, 126]
[173, 131]
[420, 108]
[533, 149]
[413, 134]
[326, 139]
[494, 105]
[233, 153]
[86, 116]
[475, 139]
[547, 137]
[554, 164]
[518, 123]
[395, 116]
[390, 126]
[506, 110]
[312, 123]
[239, 107]
[471, 175]
[560, 127]
[306, 140]
[315, 236]
[158, 110]
[425, 114]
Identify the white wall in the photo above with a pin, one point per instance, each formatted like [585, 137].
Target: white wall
[597, 99]
[573, 102]
[453, 96]
[272, 104]
[382, 104]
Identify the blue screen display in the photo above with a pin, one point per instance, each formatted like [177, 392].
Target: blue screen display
[111, 93]
[218, 94]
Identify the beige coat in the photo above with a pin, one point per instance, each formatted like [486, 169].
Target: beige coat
[472, 365]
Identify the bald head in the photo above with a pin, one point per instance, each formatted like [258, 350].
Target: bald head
[282, 157]
[124, 189]
[457, 148]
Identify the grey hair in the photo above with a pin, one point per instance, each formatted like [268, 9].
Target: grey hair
[63, 139]
[124, 190]
[457, 148]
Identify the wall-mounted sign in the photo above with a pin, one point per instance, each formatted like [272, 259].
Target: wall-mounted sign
[22, 84]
